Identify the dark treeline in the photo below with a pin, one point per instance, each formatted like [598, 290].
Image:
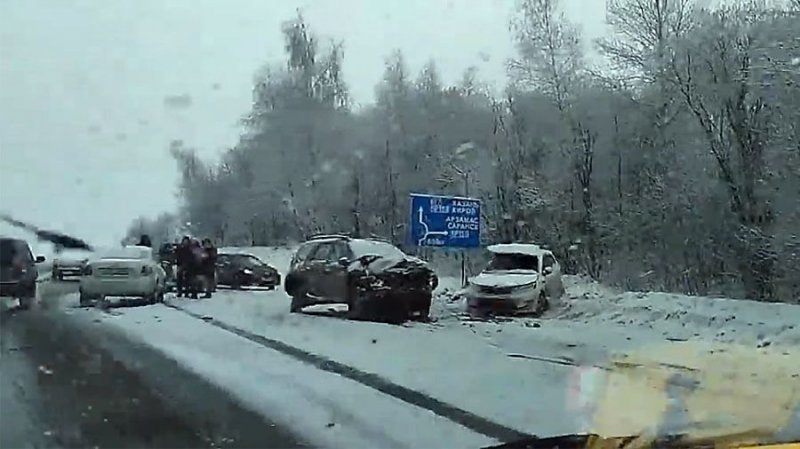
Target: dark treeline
[675, 166]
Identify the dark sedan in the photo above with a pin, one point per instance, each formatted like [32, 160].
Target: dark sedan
[239, 270]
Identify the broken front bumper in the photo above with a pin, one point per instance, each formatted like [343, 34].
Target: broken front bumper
[518, 300]
[391, 303]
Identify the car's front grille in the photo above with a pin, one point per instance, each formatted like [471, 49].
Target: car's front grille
[496, 290]
[113, 272]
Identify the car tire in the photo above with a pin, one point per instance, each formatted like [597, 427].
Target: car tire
[28, 297]
[84, 299]
[424, 312]
[542, 305]
[298, 302]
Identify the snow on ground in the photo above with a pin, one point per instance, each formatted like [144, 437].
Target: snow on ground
[449, 363]
[325, 409]
[521, 372]
[681, 316]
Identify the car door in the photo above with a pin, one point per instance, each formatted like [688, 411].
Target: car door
[334, 274]
[314, 268]
[28, 262]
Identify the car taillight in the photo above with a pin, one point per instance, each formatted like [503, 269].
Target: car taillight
[147, 270]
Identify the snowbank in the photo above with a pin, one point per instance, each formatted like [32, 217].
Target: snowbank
[682, 316]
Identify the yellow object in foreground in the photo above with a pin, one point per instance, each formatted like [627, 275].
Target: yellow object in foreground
[703, 390]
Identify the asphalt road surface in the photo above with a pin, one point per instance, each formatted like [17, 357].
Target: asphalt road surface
[58, 389]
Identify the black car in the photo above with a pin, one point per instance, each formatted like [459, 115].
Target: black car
[239, 270]
[374, 278]
[18, 272]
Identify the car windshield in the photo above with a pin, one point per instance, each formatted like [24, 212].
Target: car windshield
[507, 262]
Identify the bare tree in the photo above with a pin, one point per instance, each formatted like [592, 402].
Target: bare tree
[715, 78]
[551, 60]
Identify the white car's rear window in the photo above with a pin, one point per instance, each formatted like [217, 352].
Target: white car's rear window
[129, 252]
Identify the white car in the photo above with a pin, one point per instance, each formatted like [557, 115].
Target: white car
[520, 278]
[69, 263]
[130, 271]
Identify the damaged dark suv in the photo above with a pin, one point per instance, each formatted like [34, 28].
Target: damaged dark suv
[374, 278]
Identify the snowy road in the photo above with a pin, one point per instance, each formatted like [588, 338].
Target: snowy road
[461, 383]
[58, 388]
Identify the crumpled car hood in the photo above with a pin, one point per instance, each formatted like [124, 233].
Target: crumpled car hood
[501, 279]
[384, 264]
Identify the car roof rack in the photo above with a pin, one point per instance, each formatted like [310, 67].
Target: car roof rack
[328, 236]
[378, 238]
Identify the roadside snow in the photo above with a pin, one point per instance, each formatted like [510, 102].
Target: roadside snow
[323, 408]
[454, 364]
[680, 316]
[521, 372]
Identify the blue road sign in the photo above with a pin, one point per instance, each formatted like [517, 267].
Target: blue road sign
[445, 221]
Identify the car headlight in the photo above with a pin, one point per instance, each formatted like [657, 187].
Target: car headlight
[87, 270]
[521, 288]
[247, 271]
[147, 270]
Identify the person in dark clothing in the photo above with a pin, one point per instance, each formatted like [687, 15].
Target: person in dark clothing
[209, 267]
[144, 240]
[183, 257]
[197, 256]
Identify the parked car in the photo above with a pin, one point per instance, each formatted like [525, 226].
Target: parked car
[374, 278]
[69, 263]
[130, 271]
[241, 269]
[18, 273]
[520, 278]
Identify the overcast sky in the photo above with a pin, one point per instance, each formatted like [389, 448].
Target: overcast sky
[93, 91]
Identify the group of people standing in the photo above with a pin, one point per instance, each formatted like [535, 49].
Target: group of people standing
[196, 263]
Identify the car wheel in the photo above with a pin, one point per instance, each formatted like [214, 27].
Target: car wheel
[356, 309]
[425, 310]
[25, 302]
[84, 299]
[298, 302]
[542, 304]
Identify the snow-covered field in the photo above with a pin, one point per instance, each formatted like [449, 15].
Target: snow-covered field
[521, 373]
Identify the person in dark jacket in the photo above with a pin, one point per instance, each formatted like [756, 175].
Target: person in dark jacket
[183, 257]
[209, 267]
[194, 272]
[144, 240]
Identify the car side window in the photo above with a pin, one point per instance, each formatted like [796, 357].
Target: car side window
[323, 253]
[303, 252]
[24, 252]
[340, 250]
